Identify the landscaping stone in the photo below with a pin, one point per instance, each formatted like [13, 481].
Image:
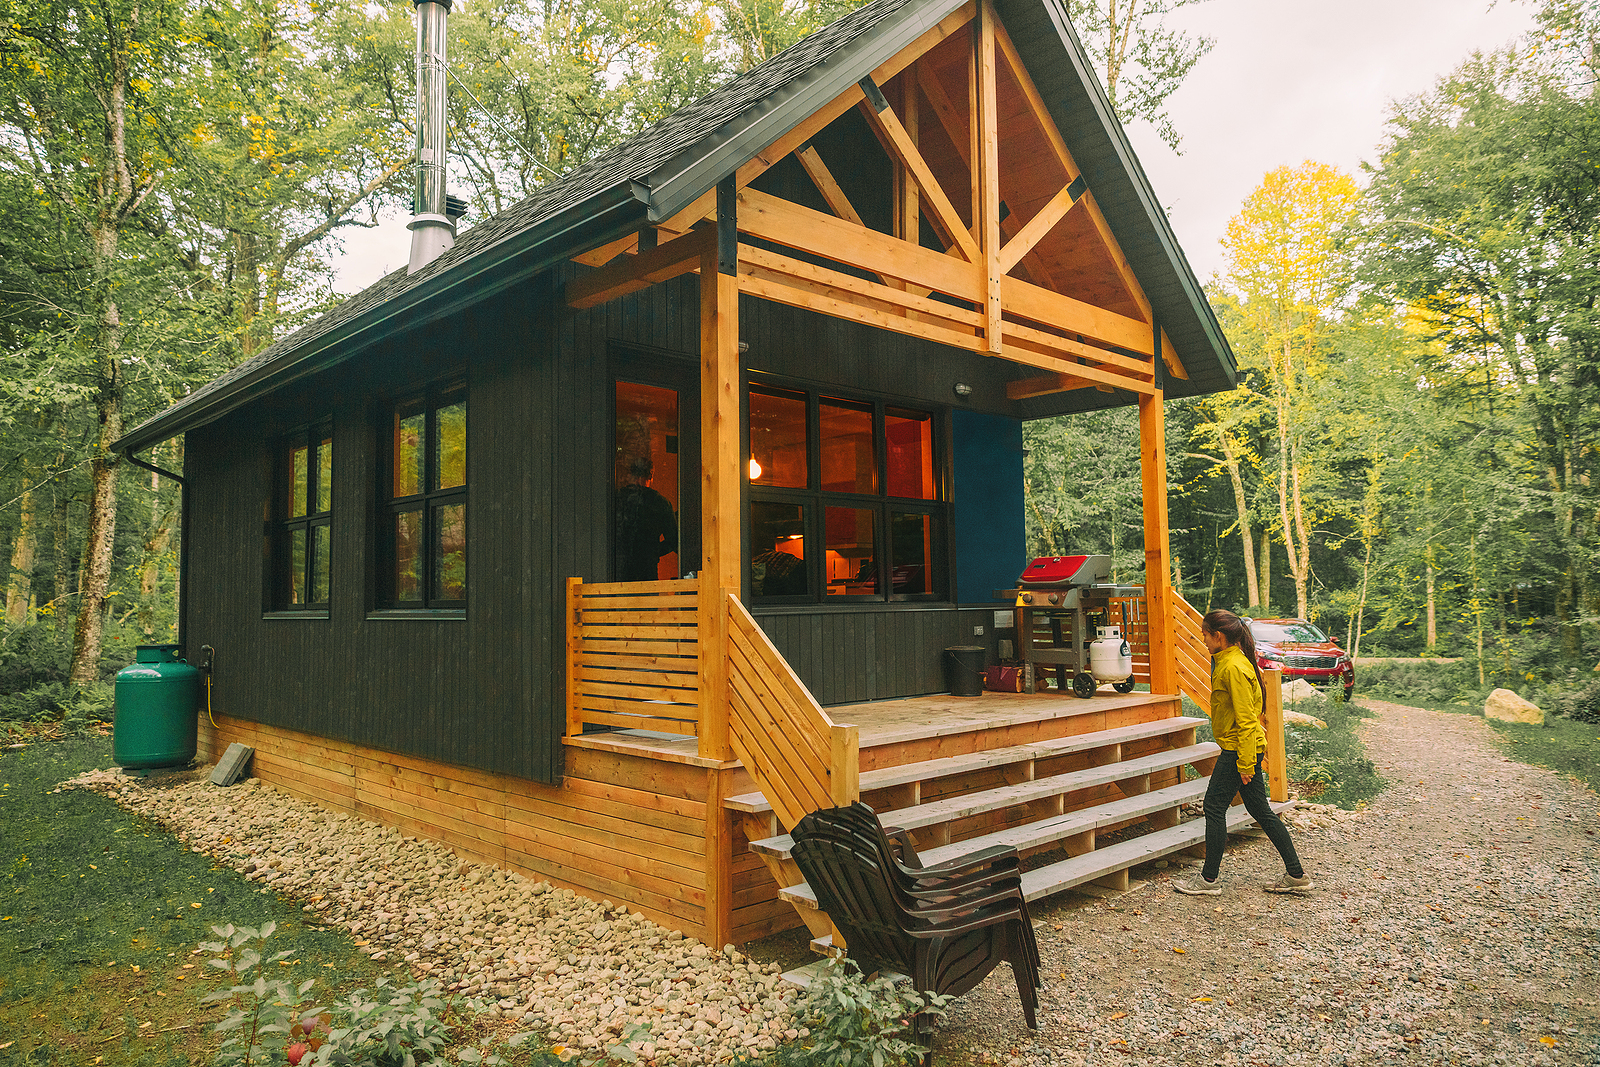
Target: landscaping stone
[1300, 718]
[1298, 689]
[1505, 706]
[580, 971]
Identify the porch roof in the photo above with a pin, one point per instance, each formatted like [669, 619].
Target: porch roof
[664, 169]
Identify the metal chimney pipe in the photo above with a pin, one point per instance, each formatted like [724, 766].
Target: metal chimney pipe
[432, 230]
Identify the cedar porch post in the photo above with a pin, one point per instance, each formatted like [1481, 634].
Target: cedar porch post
[721, 455]
[1157, 553]
[721, 469]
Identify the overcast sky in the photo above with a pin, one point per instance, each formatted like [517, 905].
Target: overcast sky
[1289, 80]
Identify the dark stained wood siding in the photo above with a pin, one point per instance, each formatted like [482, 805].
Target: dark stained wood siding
[477, 691]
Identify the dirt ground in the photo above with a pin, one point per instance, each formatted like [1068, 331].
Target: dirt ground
[1454, 921]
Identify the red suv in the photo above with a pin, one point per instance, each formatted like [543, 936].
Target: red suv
[1300, 650]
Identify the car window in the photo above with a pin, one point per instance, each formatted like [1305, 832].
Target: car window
[1277, 633]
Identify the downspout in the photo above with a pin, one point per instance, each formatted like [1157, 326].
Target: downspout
[183, 546]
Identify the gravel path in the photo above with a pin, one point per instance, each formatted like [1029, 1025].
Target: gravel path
[1455, 921]
[579, 970]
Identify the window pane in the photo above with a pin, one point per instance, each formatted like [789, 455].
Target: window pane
[778, 440]
[409, 426]
[319, 564]
[450, 552]
[297, 566]
[452, 445]
[777, 549]
[299, 470]
[644, 524]
[407, 548]
[912, 537]
[325, 475]
[849, 462]
[910, 435]
[852, 571]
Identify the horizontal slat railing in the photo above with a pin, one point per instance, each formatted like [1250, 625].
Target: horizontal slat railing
[1134, 612]
[633, 656]
[800, 758]
[1194, 659]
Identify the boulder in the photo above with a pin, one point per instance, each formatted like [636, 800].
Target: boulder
[1506, 706]
[1300, 718]
[1299, 689]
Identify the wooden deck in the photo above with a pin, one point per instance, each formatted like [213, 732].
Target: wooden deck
[921, 724]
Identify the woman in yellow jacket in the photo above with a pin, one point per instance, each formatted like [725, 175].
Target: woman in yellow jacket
[1236, 689]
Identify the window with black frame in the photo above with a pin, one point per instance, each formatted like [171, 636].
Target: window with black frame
[425, 535]
[844, 500]
[303, 535]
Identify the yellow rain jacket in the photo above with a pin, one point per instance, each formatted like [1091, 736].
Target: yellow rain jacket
[1236, 707]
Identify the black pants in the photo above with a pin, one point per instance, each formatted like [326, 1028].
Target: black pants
[1219, 795]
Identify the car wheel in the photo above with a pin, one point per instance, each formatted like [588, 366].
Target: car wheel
[1083, 685]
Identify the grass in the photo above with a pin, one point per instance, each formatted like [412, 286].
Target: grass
[100, 914]
[1326, 766]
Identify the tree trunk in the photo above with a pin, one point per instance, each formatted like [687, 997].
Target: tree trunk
[1242, 505]
[20, 589]
[1433, 629]
[1353, 641]
[1266, 573]
[59, 598]
[1300, 550]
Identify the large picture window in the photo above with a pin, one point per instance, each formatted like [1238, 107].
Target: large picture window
[844, 501]
[303, 532]
[425, 536]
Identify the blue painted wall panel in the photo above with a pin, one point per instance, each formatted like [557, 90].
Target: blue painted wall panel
[989, 538]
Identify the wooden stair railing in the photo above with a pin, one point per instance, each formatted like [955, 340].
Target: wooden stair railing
[1194, 659]
[800, 758]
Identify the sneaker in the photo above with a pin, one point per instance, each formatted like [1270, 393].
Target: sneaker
[1290, 884]
[1197, 887]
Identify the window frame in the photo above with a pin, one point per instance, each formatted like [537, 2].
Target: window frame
[283, 526]
[814, 500]
[428, 502]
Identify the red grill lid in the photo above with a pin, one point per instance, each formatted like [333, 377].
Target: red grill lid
[1067, 570]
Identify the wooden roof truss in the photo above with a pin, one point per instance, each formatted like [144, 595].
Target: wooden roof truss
[1026, 267]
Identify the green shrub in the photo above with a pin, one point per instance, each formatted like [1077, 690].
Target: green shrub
[1581, 704]
[74, 707]
[855, 1021]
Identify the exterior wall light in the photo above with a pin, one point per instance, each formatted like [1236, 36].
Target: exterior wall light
[963, 389]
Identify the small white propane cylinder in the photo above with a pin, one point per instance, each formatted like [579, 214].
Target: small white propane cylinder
[1110, 658]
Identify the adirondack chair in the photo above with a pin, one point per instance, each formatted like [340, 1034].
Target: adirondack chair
[944, 927]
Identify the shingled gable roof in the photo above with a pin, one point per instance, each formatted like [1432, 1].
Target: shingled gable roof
[666, 167]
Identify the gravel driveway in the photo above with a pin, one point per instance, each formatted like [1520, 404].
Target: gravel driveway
[1455, 921]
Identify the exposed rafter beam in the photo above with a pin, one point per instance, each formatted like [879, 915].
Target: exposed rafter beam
[1045, 385]
[884, 122]
[823, 178]
[1041, 223]
[680, 256]
[1041, 115]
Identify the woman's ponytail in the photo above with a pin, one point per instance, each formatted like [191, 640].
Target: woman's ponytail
[1235, 631]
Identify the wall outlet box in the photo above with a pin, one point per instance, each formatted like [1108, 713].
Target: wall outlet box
[1004, 620]
[977, 631]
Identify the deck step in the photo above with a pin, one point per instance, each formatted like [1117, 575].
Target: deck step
[948, 766]
[1035, 835]
[1058, 877]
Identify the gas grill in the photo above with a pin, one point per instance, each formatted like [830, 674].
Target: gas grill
[1059, 601]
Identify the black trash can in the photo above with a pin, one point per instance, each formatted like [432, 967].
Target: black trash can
[963, 669]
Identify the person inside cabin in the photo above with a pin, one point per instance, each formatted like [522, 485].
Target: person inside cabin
[1236, 703]
[781, 569]
[647, 527]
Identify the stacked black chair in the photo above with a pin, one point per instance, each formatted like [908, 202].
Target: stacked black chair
[945, 927]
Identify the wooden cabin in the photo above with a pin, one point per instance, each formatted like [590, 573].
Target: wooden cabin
[807, 316]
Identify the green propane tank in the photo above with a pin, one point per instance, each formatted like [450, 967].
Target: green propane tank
[158, 705]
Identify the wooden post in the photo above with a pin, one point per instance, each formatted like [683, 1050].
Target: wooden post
[721, 467]
[719, 860]
[1272, 724]
[987, 168]
[1157, 553]
[574, 618]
